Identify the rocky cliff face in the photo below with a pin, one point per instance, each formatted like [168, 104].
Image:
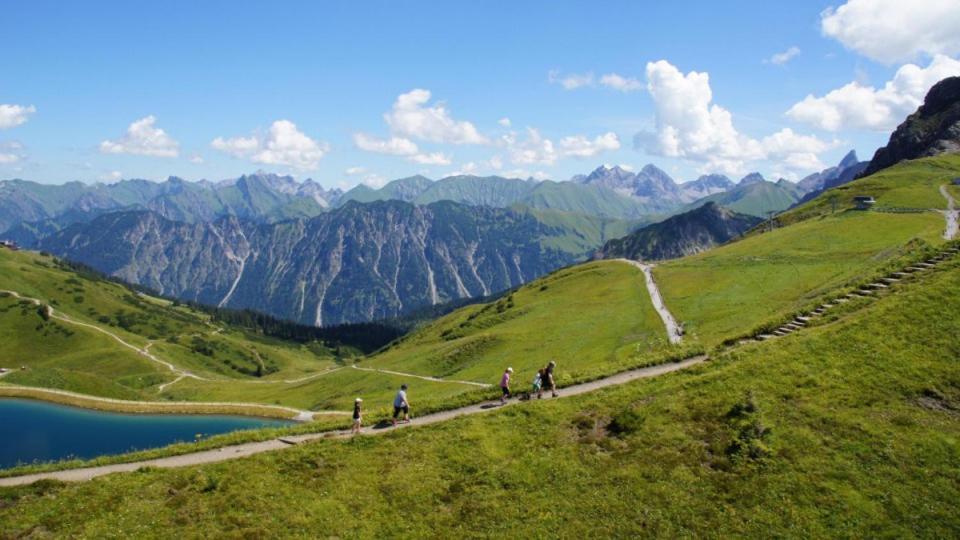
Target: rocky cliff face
[356, 263]
[934, 129]
[683, 234]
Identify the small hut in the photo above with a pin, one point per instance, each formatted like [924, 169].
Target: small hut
[864, 202]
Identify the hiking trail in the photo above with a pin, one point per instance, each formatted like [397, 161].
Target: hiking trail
[674, 331]
[952, 214]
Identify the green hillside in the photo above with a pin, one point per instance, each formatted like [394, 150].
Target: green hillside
[757, 199]
[824, 433]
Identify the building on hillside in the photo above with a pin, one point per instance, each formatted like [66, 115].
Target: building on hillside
[864, 202]
[9, 244]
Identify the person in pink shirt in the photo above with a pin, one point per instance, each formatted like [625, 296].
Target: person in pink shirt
[505, 385]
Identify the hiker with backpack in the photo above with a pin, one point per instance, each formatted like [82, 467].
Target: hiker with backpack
[400, 403]
[547, 380]
[357, 416]
[537, 382]
[505, 385]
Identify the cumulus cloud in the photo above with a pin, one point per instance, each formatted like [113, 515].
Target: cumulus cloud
[537, 149]
[505, 122]
[582, 147]
[394, 146]
[411, 116]
[353, 171]
[782, 58]
[196, 159]
[892, 31]
[374, 180]
[571, 81]
[111, 176]
[621, 83]
[14, 115]
[859, 106]
[143, 138]
[689, 125]
[283, 144]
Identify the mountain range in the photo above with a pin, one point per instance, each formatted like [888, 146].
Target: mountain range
[358, 262]
[694, 231]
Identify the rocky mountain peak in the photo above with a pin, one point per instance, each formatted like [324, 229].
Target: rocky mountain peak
[932, 130]
[752, 178]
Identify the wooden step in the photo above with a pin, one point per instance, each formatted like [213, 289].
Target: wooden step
[764, 337]
[877, 285]
[889, 280]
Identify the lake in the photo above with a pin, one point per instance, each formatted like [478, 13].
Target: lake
[39, 431]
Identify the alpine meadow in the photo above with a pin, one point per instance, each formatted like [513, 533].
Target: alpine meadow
[342, 271]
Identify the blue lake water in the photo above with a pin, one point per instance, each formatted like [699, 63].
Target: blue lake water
[39, 431]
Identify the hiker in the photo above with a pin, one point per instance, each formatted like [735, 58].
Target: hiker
[400, 403]
[537, 382]
[357, 416]
[547, 380]
[505, 385]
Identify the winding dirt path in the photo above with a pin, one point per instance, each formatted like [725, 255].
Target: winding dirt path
[145, 352]
[248, 449]
[674, 332]
[952, 215]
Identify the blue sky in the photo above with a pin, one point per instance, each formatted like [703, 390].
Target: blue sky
[303, 87]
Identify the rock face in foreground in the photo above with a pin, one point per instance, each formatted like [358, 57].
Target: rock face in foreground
[360, 262]
[684, 234]
[933, 130]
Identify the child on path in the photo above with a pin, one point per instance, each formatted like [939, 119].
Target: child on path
[400, 403]
[357, 416]
[537, 382]
[505, 385]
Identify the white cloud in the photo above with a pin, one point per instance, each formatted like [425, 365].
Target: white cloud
[892, 31]
[536, 149]
[689, 125]
[143, 138]
[283, 144]
[412, 117]
[785, 56]
[582, 147]
[394, 146]
[435, 158]
[505, 122]
[14, 115]
[111, 176]
[571, 81]
[618, 82]
[196, 159]
[353, 171]
[857, 106]
[496, 163]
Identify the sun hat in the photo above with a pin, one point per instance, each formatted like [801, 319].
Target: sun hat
[358, 400]
[510, 369]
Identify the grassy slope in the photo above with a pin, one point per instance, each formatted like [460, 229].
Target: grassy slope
[565, 316]
[68, 357]
[860, 439]
[730, 290]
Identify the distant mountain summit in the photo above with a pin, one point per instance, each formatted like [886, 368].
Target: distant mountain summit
[934, 129]
[707, 184]
[751, 178]
[683, 234]
[845, 171]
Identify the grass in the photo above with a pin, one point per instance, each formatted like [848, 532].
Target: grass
[730, 290]
[587, 317]
[829, 432]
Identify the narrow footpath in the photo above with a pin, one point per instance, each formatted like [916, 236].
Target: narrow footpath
[674, 332]
[249, 449]
[952, 214]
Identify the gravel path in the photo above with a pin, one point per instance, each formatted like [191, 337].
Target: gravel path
[674, 332]
[952, 215]
[248, 449]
